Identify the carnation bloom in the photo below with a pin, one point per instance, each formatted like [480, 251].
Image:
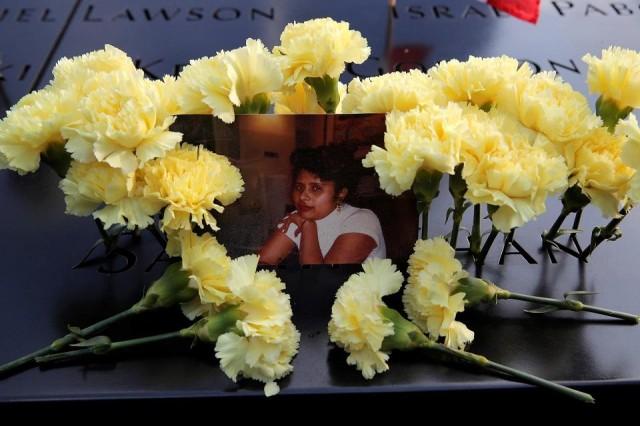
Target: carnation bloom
[302, 99]
[123, 122]
[616, 76]
[190, 180]
[548, 105]
[219, 84]
[427, 138]
[596, 166]
[401, 91]
[503, 169]
[256, 358]
[428, 300]
[357, 323]
[266, 340]
[631, 152]
[33, 125]
[208, 266]
[319, 47]
[204, 88]
[478, 80]
[72, 72]
[253, 71]
[267, 308]
[88, 186]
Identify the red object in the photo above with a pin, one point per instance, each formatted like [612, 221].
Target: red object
[528, 10]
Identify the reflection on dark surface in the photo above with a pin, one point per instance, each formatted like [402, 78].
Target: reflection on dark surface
[41, 293]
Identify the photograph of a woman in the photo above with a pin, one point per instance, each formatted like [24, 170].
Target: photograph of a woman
[324, 227]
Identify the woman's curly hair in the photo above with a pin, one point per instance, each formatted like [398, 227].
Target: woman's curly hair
[334, 163]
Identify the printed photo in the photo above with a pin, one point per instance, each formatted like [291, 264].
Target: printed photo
[308, 200]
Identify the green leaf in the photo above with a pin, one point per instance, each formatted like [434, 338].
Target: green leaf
[579, 293]
[77, 331]
[94, 341]
[541, 310]
[615, 235]
[569, 231]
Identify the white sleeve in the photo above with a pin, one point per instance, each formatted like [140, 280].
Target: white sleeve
[291, 234]
[363, 221]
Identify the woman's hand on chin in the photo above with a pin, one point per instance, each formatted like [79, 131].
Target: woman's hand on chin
[292, 218]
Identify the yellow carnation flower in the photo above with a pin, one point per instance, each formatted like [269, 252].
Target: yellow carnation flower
[166, 93]
[548, 105]
[301, 100]
[33, 125]
[73, 72]
[616, 76]
[266, 307]
[190, 180]
[253, 71]
[503, 169]
[596, 165]
[87, 186]
[217, 85]
[357, 323]
[429, 138]
[257, 358]
[478, 80]
[122, 122]
[437, 257]
[208, 266]
[434, 273]
[458, 335]
[631, 152]
[400, 91]
[204, 88]
[267, 340]
[319, 47]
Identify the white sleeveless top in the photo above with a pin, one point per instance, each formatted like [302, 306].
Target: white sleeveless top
[348, 220]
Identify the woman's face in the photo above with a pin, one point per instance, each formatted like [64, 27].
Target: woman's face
[313, 197]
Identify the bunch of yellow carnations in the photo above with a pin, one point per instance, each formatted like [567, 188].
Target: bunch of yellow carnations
[437, 290]
[369, 330]
[508, 139]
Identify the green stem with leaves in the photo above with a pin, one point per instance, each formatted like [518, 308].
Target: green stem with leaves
[606, 233]
[553, 232]
[63, 342]
[487, 364]
[458, 212]
[170, 289]
[101, 349]
[567, 305]
[407, 336]
[426, 188]
[475, 241]
[457, 189]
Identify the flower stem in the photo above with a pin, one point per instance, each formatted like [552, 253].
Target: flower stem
[66, 340]
[553, 232]
[483, 362]
[425, 222]
[458, 212]
[114, 346]
[568, 305]
[606, 233]
[476, 237]
[457, 189]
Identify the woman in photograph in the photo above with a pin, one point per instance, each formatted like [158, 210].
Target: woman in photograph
[323, 226]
